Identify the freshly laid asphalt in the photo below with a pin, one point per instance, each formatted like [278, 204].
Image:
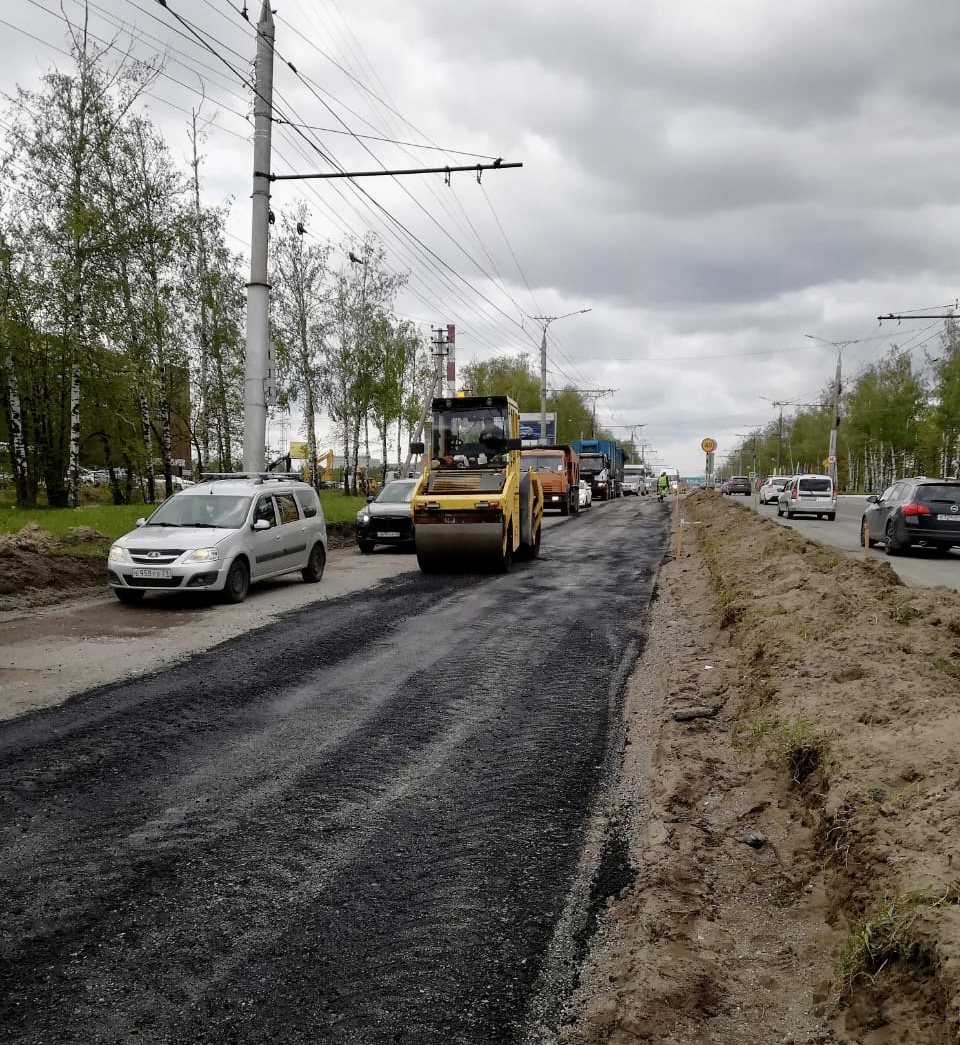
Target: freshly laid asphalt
[363, 823]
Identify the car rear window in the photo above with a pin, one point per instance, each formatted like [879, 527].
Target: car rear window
[308, 502]
[939, 492]
[815, 486]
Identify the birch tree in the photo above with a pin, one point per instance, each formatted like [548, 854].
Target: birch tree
[358, 294]
[299, 320]
[59, 137]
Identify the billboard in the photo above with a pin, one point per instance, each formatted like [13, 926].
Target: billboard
[530, 429]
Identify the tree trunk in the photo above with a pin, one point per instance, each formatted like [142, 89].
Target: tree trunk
[147, 434]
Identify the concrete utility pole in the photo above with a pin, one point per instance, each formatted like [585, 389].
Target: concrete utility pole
[835, 427]
[256, 390]
[776, 403]
[440, 375]
[546, 321]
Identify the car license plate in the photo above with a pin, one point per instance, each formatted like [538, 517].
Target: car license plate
[948, 518]
[389, 533]
[156, 574]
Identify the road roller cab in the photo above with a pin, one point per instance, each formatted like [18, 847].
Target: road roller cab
[476, 507]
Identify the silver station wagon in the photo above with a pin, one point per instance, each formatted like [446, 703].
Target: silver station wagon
[222, 534]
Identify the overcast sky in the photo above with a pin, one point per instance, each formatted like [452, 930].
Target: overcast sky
[714, 180]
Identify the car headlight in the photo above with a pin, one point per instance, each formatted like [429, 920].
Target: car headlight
[118, 554]
[362, 518]
[203, 555]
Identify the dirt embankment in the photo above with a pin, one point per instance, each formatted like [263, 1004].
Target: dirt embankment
[793, 850]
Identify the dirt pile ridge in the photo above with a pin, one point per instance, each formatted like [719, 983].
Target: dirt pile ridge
[793, 852]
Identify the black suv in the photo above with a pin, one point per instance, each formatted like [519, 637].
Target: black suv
[920, 511]
[739, 484]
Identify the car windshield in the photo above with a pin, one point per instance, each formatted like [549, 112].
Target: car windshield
[470, 437]
[227, 511]
[543, 462]
[395, 493]
[592, 463]
[815, 486]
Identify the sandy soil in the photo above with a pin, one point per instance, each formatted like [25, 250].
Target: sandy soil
[789, 792]
[794, 850]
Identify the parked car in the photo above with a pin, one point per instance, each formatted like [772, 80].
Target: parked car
[739, 484]
[918, 512]
[632, 485]
[222, 535]
[808, 495]
[387, 518]
[586, 494]
[770, 488]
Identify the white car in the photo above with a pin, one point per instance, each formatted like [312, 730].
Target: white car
[771, 486]
[586, 494]
[808, 495]
[631, 485]
[222, 534]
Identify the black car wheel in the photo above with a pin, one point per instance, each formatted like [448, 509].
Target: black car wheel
[890, 544]
[313, 571]
[238, 582]
[365, 546]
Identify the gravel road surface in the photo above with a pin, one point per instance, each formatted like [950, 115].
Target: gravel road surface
[364, 822]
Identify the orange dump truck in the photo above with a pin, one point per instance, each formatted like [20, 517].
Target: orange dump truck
[559, 469]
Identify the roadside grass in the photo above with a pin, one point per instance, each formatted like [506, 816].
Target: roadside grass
[885, 934]
[795, 742]
[113, 520]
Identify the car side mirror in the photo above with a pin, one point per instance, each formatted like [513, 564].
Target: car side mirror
[260, 524]
[417, 448]
[141, 522]
[369, 497]
[873, 499]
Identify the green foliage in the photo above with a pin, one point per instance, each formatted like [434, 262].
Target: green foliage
[505, 376]
[898, 417]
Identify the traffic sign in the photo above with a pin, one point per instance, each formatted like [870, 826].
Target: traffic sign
[708, 445]
[831, 459]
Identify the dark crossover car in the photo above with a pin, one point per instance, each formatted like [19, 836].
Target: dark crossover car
[739, 484]
[918, 512]
[387, 518]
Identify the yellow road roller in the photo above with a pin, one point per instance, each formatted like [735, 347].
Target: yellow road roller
[475, 508]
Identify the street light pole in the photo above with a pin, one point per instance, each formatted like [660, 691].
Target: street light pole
[547, 320]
